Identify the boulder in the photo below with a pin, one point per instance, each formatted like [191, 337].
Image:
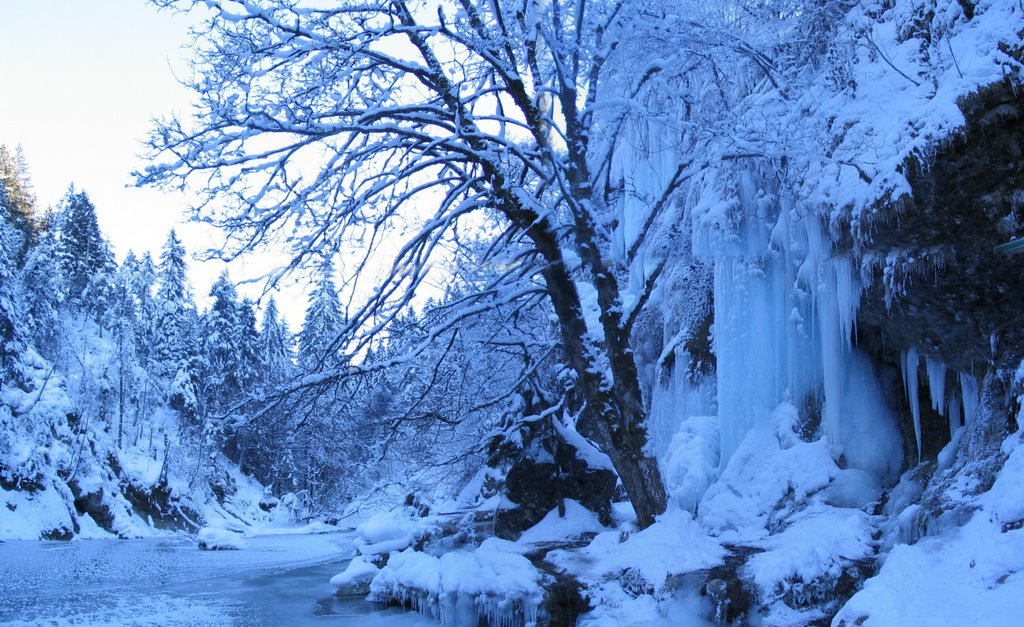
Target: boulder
[550, 469]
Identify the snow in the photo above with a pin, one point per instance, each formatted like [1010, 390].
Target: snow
[23, 514]
[675, 544]
[493, 582]
[813, 545]
[585, 450]
[389, 531]
[947, 455]
[358, 571]
[770, 466]
[219, 539]
[1005, 500]
[853, 488]
[968, 576]
[648, 611]
[964, 575]
[577, 522]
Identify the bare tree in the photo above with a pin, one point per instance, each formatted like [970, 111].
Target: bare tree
[338, 128]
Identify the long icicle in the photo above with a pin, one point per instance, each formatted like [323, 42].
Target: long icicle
[909, 361]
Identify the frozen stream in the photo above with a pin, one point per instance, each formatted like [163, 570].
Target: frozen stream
[276, 580]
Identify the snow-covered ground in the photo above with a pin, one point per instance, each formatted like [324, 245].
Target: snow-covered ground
[809, 532]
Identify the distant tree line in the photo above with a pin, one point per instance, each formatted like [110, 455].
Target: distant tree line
[132, 344]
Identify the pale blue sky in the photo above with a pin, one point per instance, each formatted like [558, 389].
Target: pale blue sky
[81, 80]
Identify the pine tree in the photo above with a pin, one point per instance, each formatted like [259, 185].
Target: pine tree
[249, 367]
[81, 249]
[12, 240]
[10, 246]
[173, 272]
[222, 346]
[18, 200]
[175, 314]
[124, 320]
[275, 346]
[174, 355]
[43, 286]
[140, 275]
[318, 342]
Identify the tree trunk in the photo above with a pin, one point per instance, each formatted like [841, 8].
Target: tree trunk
[613, 415]
[607, 386]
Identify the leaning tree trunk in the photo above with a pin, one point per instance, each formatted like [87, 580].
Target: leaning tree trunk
[618, 422]
[607, 384]
[613, 415]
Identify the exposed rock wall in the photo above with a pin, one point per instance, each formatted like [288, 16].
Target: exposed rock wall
[961, 303]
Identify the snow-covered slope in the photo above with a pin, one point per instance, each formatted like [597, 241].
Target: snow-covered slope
[64, 474]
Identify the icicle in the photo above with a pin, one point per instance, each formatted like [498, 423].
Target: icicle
[848, 291]
[969, 392]
[903, 371]
[909, 361]
[936, 384]
[954, 415]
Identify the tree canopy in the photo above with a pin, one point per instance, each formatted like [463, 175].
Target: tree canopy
[338, 128]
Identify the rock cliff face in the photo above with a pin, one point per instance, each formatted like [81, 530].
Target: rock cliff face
[960, 301]
[954, 299]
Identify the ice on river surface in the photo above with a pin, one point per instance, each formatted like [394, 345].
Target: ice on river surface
[282, 579]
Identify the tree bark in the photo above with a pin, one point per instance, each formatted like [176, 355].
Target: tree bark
[612, 411]
[613, 415]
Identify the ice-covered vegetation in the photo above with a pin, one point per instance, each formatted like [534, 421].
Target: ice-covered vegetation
[693, 305]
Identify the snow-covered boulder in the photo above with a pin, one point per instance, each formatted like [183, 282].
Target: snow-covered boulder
[389, 531]
[495, 584]
[219, 539]
[355, 579]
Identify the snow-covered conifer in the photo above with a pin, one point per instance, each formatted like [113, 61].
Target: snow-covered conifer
[222, 345]
[18, 202]
[319, 340]
[275, 346]
[176, 318]
[42, 287]
[82, 250]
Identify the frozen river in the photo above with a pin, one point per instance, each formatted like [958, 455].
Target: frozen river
[275, 580]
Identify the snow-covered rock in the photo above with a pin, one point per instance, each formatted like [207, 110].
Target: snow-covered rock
[495, 583]
[219, 539]
[390, 531]
[355, 579]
